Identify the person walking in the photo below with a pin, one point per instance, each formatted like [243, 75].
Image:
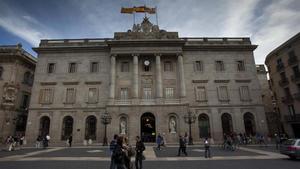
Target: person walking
[119, 155]
[182, 146]
[129, 152]
[70, 141]
[207, 148]
[112, 147]
[158, 141]
[39, 139]
[139, 157]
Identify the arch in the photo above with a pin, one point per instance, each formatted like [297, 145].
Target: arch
[173, 123]
[148, 131]
[44, 126]
[1, 71]
[204, 126]
[249, 123]
[67, 127]
[227, 123]
[90, 127]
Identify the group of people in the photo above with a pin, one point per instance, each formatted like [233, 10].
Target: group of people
[42, 141]
[122, 151]
[13, 142]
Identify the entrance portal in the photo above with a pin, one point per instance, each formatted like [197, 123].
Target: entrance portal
[148, 133]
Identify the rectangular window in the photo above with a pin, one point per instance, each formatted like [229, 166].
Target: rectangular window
[296, 71]
[292, 110]
[94, 67]
[198, 66]
[124, 94]
[46, 96]
[147, 93]
[93, 95]
[200, 93]
[223, 93]
[72, 67]
[220, 66]
[168, 67]
[125, 67]
[51, 67]
[240, 66]
[70, 95]
[244, 93]
[169, 92]
[25, 101]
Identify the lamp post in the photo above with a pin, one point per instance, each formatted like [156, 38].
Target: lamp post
[106, 119]
[190, 118]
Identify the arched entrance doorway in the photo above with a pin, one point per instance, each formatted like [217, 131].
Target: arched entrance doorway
[90, 127]
[249, 124]
[148, 133]
[204, 127]
[227, 123]
[67, 128]
[44, 126]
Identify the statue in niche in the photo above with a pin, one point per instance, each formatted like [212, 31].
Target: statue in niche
[123, 126]
[172, 125]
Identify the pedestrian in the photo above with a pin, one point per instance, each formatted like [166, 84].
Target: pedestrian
[182, 146]
[46, 140]
[158, 141]
[119, 155]
[112, 147]
[9, 142]
[129, 152]
[207, 148]
[277, 140]
[139, 156]
[70, 141]
[22, 141]
[38, 141]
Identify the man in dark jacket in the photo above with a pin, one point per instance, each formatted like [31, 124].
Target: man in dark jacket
[70, 141]
[139, 157]
[182, 146]
[112, 147]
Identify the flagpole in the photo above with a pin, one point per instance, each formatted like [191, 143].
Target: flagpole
[134, 18]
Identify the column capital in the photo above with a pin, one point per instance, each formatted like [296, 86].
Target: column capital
[179, 54]
[113, 55]
[157, 54]
[135, 54]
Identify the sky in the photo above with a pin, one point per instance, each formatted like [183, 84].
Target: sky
[268, 23]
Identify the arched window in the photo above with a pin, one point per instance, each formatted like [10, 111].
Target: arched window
[67, 127]
[1, 72]
[227, 123]
[173, 124]
[90, 127]
[44, 126]
[204, 127]
[123, 125]
[249, 123]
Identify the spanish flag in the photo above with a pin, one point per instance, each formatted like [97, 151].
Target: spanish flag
[139, 9]
[127, 10]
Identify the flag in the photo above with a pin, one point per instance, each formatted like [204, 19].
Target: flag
[127, 10]
[139, 9]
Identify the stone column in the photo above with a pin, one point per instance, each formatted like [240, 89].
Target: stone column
[135, 76]
[181, 76]
[159, 92]
[112, 77]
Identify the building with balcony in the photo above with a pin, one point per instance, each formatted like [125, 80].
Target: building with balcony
[283, 67]
[147, 79]
[16, 78]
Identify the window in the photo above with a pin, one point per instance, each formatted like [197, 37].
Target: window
[94, 67]
[25, 101]
[70, 95]
[220, 66]
[198, 66]
[223, 93]
[240, 66]
[168, 67]
[1, 72]
[93, 95]
[291, 110]
[283, 76]
[169, 91]
[287, 92]
[291, 54]
[200, 93]
[72, 67]
[51, 67]
[46, 96]
[147, 93]
[125, 67]
[244, 93]
[28, 78]
[124, 93]
[296, 71]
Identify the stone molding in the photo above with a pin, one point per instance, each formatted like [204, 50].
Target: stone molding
[221, 81]
[199, 81]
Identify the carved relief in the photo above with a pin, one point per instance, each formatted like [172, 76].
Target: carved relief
[9, 94]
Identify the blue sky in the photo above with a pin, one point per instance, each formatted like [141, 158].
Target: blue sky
[267, 22]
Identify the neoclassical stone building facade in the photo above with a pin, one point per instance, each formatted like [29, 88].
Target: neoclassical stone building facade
[147, 79]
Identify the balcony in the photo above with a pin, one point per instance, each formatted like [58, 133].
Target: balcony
[280, 67]
[283, 82]
[287, 99]
[295, 77]
[291, 119]
[296, 96]
[293, 60]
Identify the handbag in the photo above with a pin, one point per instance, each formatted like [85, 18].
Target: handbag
[143, 157]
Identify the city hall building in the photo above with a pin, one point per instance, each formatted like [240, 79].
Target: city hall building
[147, 80]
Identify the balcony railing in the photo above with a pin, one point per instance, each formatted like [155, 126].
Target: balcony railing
[293, 60]
[287, 99]
[280, 67]
[295, 77]
[295, 118]
[283, 82]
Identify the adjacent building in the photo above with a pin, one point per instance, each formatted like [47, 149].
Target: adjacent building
[283, 67]
[16, 79]
[147, 80]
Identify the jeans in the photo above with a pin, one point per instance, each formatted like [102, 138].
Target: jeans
[138, 161]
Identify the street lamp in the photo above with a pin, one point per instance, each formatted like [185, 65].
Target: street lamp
[106, 119]
[190, 118]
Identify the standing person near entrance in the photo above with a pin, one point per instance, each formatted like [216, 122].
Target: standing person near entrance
[139, 157]
[207, 148]
[159, 140]
[182, 146]
[112, 147]
[70, 141]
